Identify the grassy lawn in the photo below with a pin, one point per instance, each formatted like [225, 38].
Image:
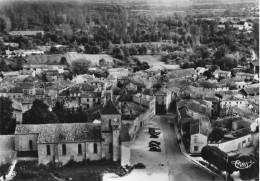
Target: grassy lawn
[73, 171]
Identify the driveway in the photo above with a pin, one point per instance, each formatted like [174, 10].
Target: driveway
[181, 169]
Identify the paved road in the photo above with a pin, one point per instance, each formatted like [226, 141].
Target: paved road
[181, 169]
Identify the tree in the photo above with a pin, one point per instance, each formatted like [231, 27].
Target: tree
[5, 24]
[216, 134]
[219, 53]
[80, 66]
[63, 60]
[213, 155]
[256, 33]
[62, 114]
[39, 114]
[213, 27]
[7, 122]
[3, 66]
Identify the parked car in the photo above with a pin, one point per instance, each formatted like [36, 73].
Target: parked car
[154, 130]
[139, 166]
[154, 136]
[153, 144]
[157, 142]
[156, 149]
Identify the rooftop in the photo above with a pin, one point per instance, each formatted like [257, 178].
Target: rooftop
[235, 134]
[65, 132]
[110, 108]
[181, 73]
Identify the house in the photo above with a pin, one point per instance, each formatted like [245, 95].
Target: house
[118, 72]
[201, 106]
[25, 33]
[17, 111]
[234, 140]
[201, 70]
[220, 73]
[10, 74]
[246, 76]
[233, 101]
[255, 66]
[145, 100]
[198, 136]
[163, 98]
[250, 90]
[182, 73]
[89, 99]
[183, 117]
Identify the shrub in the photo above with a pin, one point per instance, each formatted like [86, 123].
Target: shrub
[4, 169]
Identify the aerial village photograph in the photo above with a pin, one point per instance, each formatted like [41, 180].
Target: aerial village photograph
[129, 90]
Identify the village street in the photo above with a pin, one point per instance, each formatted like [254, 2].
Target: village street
[180, 167]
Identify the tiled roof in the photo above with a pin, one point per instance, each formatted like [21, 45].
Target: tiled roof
[181, 73]
[67, 132]
[110, 108]
[126, 97]
[244, 74]
[221, 72]
[235, 134]
[251, 90]
[183, 112]
[255, 63]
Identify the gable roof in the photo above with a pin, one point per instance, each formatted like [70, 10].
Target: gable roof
[181, 73]
[65, 132]
[251, 90]
[110, 108]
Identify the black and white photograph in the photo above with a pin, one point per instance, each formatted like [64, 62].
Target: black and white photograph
[129, 90]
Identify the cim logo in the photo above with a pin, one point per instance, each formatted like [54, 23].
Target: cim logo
[242, 165]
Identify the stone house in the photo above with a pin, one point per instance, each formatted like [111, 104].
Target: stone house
[182, 73]
[163, 98]
[118, 72]
[220, 73]
[233, 101]
[198, 136]
[234, 140]
[246, 76]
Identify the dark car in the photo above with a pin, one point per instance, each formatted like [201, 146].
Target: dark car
[156, 142]
[153, 144]
[139, 166]
[157, 149]
[154, 130]
[154, 136]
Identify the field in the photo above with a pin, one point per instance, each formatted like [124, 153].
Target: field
[70, 57]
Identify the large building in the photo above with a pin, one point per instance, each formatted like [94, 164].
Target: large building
[77, 141]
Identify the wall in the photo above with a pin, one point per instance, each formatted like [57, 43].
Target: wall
[22, 142]
[197, 140]
[238, 103]
[116, 146]
[237, 124]
[235, 144]
[107, 139]
[125, 153]
[18, 115]
[90, 151]
[7, 153]
[105, 121]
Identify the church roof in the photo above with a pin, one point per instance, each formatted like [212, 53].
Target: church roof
[110, 108]
[66, 132]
